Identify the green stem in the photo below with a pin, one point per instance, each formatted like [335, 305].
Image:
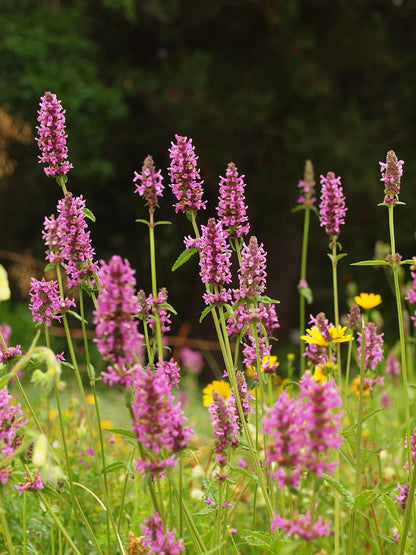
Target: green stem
[5, 527]
[359, 439]
[154, 282]
[303, 264]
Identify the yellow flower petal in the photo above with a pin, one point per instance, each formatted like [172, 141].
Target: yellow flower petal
[367, 300]
[221, 386]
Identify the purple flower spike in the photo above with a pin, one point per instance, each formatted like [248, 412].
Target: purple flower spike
[253, 269]
[149, 183]
[184, 174]
[158, 538]
[373, 346]
[231, 208]
[117, 306]
[332, 208]
[307, 186]
[285, 423]
[391, 171]
[225, 425]
[68, 240]
[301, 526]
[215, 255]
[11, 419]
[323, 423]
[46, 303]
[52, 138]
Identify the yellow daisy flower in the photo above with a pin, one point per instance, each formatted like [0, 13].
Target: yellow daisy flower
[355, 387]
[337, 336]
[221, 386]
[368, 300]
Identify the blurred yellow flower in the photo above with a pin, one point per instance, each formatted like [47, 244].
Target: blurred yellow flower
[268, 362]
[319, 374]
[221, 386]
[337, 334]
[91, 399]
[355, 387]
[368, 300]
[4, 285]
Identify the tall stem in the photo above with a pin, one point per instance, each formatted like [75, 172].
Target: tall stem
[302, 300]
[154, 282]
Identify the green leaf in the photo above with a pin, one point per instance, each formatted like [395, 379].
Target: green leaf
[145, 222]
[184, 257]
[114, 466]
[307, 293]
[341, 255]
[121, 432]
[68, 365]
[206, 311]
[88, 214]
[49, 267]
[206, 511]
[77, 316]
[267, 300]
[4, 380]
[337, 486]
[258, 538]
[391, 508]
[365, 498]
[371, 263]
[169, 307]
[162, 222]
[408, 261]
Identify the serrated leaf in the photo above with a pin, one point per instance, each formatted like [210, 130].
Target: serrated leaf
[206, 511]
[371, 263]
[68, 365]
[206, 311]
[337, 486]
[391, 508]
[77, 316]
[307, 293]
[88, 214]
[184, 257]
[365, 498]
[258, 538]
[145, 222]
[162, 222]
[114, 466]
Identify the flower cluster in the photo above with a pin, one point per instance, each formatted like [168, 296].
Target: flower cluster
[158, 538]
[46, 302]
[373, 346]
[159, 305]
[411, 294]
[11, 420]
[252, 271]
[69, 241]
[116, 329]
[157, 420]
[149, 183]
[30, 483]
[332, 207]
[231, 208]
[184, 174]
[303, 430]
[301, 526]
[51, 136]
[307, 186]
[225, 425]
[264, 318]
[391, 172]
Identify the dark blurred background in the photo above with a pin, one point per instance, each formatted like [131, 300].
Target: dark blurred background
[263, 83]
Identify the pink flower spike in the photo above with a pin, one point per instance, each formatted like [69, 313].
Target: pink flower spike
[332, 207]
[391, 172]
[51, 136]
[149, 183]
[231, 208]
[184, 175]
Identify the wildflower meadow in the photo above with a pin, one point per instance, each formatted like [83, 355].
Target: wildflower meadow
[307, 452]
